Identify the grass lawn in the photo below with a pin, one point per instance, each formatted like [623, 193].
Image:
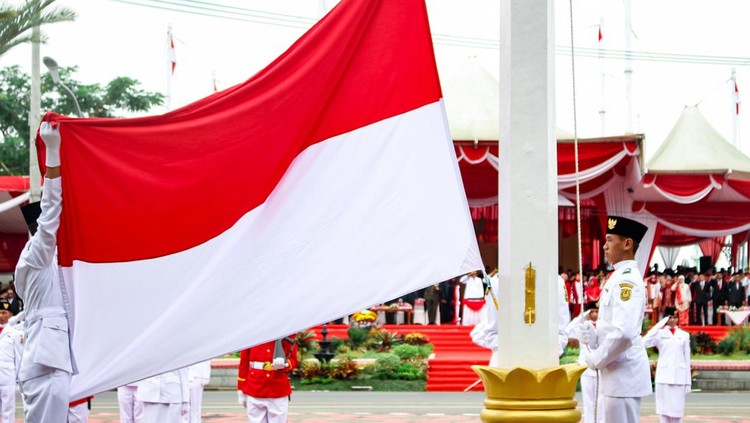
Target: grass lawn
[377, 385]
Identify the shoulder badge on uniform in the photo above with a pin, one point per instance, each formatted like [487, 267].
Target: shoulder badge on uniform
[626, 271]
[626, 285]
[625, 293]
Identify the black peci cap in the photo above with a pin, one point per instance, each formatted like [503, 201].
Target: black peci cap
[628, 228]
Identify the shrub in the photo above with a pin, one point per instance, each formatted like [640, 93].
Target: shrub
[308, 369]
[416, 338]
[383, 340]
[335, 344]
[425, 350]
[410, 372]
[306, 343]
[740, 337]
[357, 336]
[726, 346]
[344, 368]
[387, 364]
[406, 352]
[702, 343]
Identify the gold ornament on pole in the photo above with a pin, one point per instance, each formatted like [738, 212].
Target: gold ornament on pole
[529, 314]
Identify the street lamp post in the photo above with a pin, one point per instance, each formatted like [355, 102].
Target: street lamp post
[52, 67]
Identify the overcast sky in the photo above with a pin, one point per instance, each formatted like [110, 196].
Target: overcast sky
[111, 38]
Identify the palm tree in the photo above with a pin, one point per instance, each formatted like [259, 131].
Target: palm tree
[16, 22]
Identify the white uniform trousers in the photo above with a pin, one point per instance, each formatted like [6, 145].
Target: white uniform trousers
[79, 413]
[622, 409]
[667, 419]
[8, 403]
[156, 412]
[45, 398]
[267, 410]
[131, 410]
[196, 401]
[670, 401]
[588, 395]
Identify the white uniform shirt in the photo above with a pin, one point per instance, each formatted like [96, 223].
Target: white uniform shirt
[47, 345]
[620, 354]
[166, 388]
[10, 354]
[673, 366]
[200, 372]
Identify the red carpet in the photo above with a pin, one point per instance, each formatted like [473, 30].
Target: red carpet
[450, 370]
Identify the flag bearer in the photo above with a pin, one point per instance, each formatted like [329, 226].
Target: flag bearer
[263, 385]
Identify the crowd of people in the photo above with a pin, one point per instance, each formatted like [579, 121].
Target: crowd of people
[697, 297]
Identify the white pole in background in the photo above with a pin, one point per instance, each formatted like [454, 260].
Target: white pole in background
[171, 61]
[628, 69]
[735, 110]
[603, 109]
[35, 104]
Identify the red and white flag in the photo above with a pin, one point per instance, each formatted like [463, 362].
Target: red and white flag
[171, 53]
[323, 185]
[736, 96]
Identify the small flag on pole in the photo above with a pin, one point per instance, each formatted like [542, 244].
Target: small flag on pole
[171, 55]
[600, 33]
[736, 99]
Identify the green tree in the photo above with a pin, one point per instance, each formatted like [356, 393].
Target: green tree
[119, 96]
[16, 22]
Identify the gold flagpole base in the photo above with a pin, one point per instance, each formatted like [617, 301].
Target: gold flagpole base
[527, 395]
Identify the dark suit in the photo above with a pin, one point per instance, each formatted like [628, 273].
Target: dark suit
[720, 298]
[736, 294]
[701, 296]
[447, 302]
[432, 302]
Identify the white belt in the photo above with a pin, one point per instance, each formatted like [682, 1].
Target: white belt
[259, 365]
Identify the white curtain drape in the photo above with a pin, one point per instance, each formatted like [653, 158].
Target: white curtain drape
[669, 255]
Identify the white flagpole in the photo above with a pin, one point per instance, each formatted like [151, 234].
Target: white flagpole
[603, 109]
[628, 69]
[170, 60]
[735, 110]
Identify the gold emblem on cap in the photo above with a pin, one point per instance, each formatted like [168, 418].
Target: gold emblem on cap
[611, 223]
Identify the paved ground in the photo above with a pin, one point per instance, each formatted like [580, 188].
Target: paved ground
[416, 407]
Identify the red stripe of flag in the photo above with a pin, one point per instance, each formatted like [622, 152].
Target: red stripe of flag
[147, 187]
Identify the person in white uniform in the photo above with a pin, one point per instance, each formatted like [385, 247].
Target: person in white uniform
[616, 347]
[78, 411]
[47, 363]
[673, 378]
[131, 410]
[199, 375]
[484, 333]
[591, 397]
[11, 348]
[165, 398]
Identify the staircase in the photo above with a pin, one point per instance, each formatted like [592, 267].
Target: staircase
[716, 332]
[454, 354]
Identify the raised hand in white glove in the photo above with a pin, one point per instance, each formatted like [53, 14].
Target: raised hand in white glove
[279, 363]
[241, 398]
[51, 138]
[587, 334]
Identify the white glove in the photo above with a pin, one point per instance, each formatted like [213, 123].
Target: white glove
[279, 363]
[590, 363]
[241, 398]
[587, 334]
[51, 138]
